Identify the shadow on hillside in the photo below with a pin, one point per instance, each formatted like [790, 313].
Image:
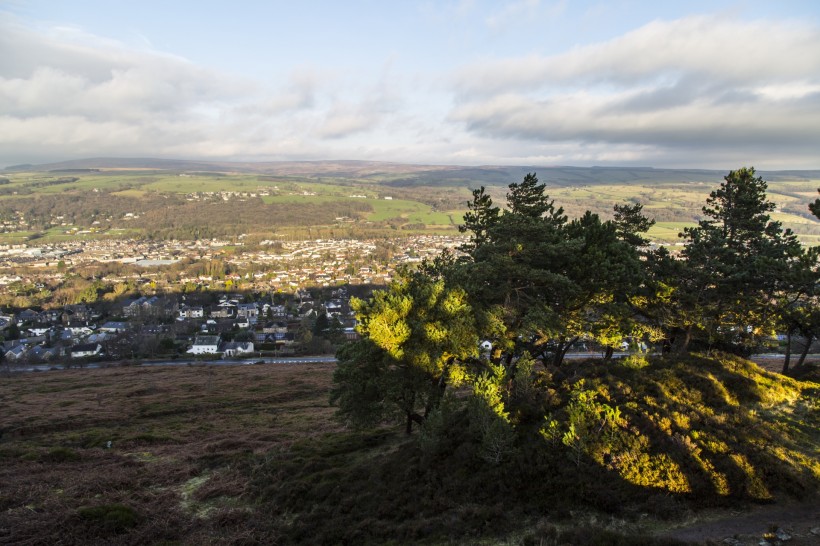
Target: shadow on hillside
[695, 433]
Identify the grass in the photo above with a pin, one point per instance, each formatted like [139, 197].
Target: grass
[252, 454]
[183, 443]
[411, 211]
[270, 199]
[673, 204]
[668, 231]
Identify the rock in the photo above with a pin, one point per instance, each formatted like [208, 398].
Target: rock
[815, 531]
[764, 542]
[732, 542]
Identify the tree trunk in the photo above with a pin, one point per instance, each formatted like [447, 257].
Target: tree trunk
[608, 353]
[788, 353]
[441, 386]
[561, 351]
[412, 417]
[683, 344]
[809, 340]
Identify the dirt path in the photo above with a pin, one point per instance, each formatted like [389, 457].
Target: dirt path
[799, 523]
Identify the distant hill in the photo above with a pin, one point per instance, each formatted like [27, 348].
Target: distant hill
[407, 175]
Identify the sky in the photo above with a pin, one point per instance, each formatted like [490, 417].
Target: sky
[687, 84]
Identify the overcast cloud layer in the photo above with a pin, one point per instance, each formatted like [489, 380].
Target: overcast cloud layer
[696, 91]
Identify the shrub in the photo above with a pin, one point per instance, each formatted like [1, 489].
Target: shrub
[116, 518]
[60, 455]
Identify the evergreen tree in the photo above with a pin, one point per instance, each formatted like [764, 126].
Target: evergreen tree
[479, 219]
[418, 334]
[735, 264]
[799, 304]
[541, 283]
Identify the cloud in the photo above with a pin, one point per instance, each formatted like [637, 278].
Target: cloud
[70, 94]
[688, 85]
[65, 93]
[703, 91]
[345, 118]
[709, 48]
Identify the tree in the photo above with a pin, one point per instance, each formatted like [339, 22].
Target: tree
[735, 263]
[815, 207]
[321, 325]
[418, 334]
[799, 304]
[631, 224]
[542, 282]
[479, 219]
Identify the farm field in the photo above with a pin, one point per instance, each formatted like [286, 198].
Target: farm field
[419, 201]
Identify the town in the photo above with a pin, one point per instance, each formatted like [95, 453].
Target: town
[106, 300]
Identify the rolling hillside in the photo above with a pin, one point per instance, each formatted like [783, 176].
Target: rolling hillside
[177, 198]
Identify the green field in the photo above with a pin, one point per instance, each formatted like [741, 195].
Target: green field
[412, 211]
[423, 202]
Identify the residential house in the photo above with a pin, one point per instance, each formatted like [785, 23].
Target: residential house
[50, 316]
[85, 350]
[205, 345]
[224, 310]
[234, 349]
[39, 330]
[187, 312]
[102, 337]
[27, 315]
[114, 327]
[150, 306]
[18, 352]
[77, 313]
[249, 311]
[242, 323]
[77, 330]
[43, 354]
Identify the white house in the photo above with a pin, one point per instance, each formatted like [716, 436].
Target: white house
[86, 350]
[205, 345]
[237, 348]
[191, 312]
[242, 323]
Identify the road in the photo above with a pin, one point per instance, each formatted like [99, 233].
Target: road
[184, 362]
[767, 360]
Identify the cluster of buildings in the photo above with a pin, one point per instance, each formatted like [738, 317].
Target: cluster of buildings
[231, 327]
[174, 319]
[273, 265]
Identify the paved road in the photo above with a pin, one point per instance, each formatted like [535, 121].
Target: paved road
[283, 360]
[186, 362]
